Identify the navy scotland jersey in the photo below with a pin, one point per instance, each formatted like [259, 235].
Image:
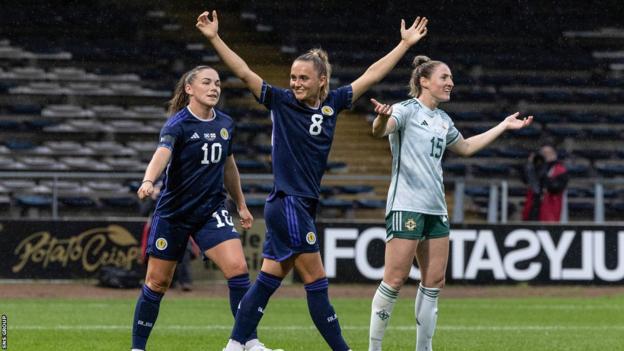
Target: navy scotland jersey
[193, 182]
[302, 137]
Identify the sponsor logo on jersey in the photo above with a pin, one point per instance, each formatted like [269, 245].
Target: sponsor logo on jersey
[311, 238]
[410, 224]
[327, 110]
[161, 243]
[210, 136]
[224, 134]
[195, 136]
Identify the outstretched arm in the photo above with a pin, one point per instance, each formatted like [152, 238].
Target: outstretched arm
[154, 170]
[210, 29]
[378, 70]
[383, 124]
[472, 145]
[233, 186]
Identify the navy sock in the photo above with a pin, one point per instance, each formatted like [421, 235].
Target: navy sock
[323, 314]
[238, 287]
[145, 315]
[252, 306]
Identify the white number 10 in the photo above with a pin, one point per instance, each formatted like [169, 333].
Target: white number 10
[215, 154]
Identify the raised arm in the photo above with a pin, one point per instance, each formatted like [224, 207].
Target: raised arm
[472, 145]
[154, 170]
[378, 70]
[210, 29]
[233, 186]
[383, 124]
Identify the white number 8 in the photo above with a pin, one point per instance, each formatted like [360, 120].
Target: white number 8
[315, 127]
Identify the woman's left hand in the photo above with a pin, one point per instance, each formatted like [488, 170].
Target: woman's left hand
[513, 122]
[246, 219]
[415, 32]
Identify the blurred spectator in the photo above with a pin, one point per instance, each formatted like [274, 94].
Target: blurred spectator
[547, 179]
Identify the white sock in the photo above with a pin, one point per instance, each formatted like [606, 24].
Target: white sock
[426, 316]
[233, 345]
[381, 310]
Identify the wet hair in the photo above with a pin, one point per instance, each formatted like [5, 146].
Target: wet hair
[320, 61]
[180, 98]
[423, 67]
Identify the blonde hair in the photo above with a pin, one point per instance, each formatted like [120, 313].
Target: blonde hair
[320, 61]
[423, 67]
[180, 98]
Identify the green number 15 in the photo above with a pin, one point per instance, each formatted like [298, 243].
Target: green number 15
[436, 147]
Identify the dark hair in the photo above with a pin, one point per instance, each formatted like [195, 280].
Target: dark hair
[423, 67]
[320, 60]
[180, 98]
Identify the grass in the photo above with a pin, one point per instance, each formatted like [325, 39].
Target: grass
[204, 324]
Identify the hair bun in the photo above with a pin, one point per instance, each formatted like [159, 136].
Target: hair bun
[419, 60]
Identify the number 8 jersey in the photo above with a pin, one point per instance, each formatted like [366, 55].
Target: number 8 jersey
[417, 145]
[301, 138]
[193, 181]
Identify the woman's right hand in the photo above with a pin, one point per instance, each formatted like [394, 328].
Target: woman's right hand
[208, 28]
[146, 189]
[383, 110]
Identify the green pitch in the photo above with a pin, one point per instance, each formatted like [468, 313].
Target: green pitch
[204, 324]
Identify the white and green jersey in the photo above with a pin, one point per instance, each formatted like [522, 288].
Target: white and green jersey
[417, 145]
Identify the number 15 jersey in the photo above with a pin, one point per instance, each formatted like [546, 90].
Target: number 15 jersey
[417, 145]
[301, 138]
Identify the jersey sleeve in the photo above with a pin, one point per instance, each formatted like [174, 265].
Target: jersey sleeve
[270, 95]
[452, 135]
[343, 98]
[168, 136]
[399, 113]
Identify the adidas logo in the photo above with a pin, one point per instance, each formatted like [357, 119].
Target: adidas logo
[424, 123]
[195, 136]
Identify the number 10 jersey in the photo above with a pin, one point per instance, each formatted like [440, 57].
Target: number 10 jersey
[193, 183]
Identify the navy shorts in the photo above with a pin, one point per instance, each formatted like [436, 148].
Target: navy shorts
[290, 227]
[168, 237]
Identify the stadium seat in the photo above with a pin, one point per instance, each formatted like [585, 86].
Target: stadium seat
[370, 203]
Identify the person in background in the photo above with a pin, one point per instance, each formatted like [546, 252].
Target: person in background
[547, 179]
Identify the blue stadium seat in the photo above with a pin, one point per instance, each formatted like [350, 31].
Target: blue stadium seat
[337, 203]
[578, 170]
[129, 202]
[77, 201]
[356, 189]
[492, 169]
[610, 170]
[477, 191]
[454, 168]
[38, 201]
[251, 165]
[336, 166]
[370, 203]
